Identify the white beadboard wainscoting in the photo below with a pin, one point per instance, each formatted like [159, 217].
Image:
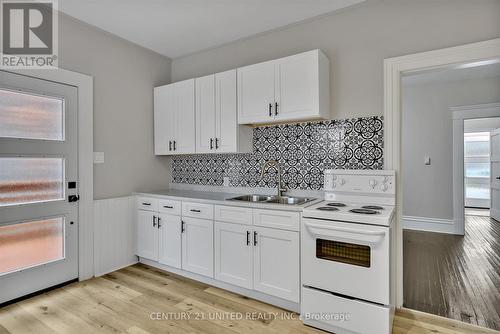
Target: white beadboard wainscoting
[114, 230]
[429, 224]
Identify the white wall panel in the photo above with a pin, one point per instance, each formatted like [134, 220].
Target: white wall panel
[114, 228]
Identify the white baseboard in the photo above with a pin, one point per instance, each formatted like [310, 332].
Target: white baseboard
[114, 234]
[429, 224]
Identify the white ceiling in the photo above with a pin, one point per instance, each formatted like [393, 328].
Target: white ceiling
[179, 27]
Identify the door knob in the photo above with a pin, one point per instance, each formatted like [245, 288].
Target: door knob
[498, 177]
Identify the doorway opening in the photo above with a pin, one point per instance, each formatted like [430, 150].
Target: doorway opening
[451, 253]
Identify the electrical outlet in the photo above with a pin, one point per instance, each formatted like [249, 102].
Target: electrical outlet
[226, 181]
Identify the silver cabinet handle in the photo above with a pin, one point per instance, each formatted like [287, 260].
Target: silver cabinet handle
[159, 225]
[182, 226]
[154, 221]
[146, 204]
[211, 143]
[195, 210]
[248, 238]
[255, 238]
[276, 109]
[168, 207]
[216, 143]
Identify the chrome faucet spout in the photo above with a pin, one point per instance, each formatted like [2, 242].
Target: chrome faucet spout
[281, 190]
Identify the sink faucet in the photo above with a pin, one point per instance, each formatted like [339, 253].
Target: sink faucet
[265, 166]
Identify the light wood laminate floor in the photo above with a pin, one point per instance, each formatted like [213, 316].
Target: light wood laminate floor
[457, 277]
[124, 302]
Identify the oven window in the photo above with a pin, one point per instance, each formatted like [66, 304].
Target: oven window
[358, 255]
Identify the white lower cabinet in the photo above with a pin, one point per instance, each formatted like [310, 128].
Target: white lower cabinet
[198, 246]
[263, 259]
[169, 244]
[234, 254]
[147, 235]
[276, 263]
[250, 248]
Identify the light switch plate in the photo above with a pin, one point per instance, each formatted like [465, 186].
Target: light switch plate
[98, 157]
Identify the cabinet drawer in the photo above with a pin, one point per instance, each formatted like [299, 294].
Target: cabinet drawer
[233, 214]
[278, 219]
[147, 203]
[197, 210]
[169, 206]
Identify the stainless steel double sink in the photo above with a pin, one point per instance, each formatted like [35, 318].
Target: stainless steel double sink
[287, 200]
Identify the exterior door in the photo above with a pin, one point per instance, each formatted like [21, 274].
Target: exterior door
[147, 235]
[38, 171]
[234, 254]
[169, 250]
[495, 174]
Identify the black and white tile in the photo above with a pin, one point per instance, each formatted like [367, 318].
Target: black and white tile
[303, 150]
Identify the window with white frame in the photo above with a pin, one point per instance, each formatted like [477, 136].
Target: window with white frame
[477, 169]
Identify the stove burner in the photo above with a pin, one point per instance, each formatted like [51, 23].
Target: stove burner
[327, 208]
[365, 211]
[372, 207]
[337, 204]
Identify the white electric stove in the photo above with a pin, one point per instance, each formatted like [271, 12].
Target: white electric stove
[347, 261]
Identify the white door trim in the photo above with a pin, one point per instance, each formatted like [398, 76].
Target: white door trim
[460, 114]
[393, 70]
[85, 85]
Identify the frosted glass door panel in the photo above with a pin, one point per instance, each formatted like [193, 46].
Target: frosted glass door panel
[30, 116]
[29, 244]
[28, 180]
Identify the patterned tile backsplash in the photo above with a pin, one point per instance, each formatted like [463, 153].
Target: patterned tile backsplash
[303, 150]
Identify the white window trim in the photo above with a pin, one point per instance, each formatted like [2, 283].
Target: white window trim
[85, 85]
[394, 68]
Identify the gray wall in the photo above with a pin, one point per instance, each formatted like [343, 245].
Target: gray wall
[427, 130]
[356, 41]
[124, 77]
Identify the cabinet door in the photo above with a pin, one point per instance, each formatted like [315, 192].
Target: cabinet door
[147, 235]
[233, 254]
[163, 119]
[197, 246]
[256, 93]
[276, 263]
[226, 126]
[184, 115]
[297, 85]
[205, 114]
[169, 250]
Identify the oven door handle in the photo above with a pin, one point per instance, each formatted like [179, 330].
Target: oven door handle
[345, 233]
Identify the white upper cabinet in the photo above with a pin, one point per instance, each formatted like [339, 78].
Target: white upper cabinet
[164, 119]
[205, 114]
[217, 129]
[256, 84]
[174, 118]
[293, 88]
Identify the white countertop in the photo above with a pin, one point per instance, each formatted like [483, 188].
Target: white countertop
[219, 198]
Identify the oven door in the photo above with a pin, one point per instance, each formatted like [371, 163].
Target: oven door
[346, 258]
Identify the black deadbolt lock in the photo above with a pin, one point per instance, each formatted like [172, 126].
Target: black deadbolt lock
[73, 198]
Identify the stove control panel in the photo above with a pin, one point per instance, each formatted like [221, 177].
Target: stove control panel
[360, 181]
